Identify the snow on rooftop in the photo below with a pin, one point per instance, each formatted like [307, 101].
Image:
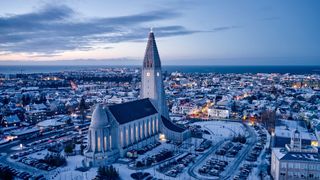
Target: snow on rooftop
[279, 152]
[22, 131]
[285, 127]
[50, 123]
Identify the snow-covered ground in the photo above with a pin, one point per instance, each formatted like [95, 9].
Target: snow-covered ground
[18, 147]
[221, 129]
[69, 173]
[39, 155]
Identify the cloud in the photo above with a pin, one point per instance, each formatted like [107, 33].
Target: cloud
[56, 29]
[273, 18]
[224, 28]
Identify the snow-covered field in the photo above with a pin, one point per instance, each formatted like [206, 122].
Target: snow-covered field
[69, 173]
[222, 129]
[39, 155]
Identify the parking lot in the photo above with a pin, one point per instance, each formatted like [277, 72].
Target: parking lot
[141, 151]
[244, 172]
[229, 149]
[154, 158]
[213, 167]
[19, 174]
[37, 163]
[176, 166]
[27, 162]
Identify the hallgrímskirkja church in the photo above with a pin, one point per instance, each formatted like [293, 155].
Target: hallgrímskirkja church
[119, 128]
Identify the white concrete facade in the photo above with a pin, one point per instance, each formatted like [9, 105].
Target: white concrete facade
[151, 78]
[117, 129]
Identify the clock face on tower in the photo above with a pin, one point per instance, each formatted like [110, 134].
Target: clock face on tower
[158, 74]
[148, 74]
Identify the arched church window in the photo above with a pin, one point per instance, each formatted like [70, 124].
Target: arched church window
[157, 125]
[149, 127]
[121, 138]
[153, 129]
[145, 129]
[127, 136]
[137, 133]
[141, 131]
[110, 142]
[99, 144]
[105, 142]
[132, 134]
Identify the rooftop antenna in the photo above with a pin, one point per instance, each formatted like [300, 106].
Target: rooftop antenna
[151, 29]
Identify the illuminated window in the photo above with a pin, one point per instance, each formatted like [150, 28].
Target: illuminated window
[132, 134]
[157, 125]
[127, 136]
[110, 142]
[149, 127]
[137, 133]
[141, 131]
[121, 138]
[145, 129]
[153, 131]
[105, 143]
[148, 73]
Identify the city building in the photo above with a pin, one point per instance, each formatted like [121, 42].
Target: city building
[218, 113]
[12, 120]
[295, 161]
[35, 116]
[283, 131]
[116, 129]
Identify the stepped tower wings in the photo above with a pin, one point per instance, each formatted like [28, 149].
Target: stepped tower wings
[151, 78]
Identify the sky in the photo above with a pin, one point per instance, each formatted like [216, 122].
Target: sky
[204, 32]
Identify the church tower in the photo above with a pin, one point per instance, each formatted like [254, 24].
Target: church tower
[151, 78]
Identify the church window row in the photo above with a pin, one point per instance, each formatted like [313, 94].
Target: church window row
[101, 141]
[136, 132]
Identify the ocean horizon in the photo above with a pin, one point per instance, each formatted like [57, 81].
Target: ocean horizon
[223, 69]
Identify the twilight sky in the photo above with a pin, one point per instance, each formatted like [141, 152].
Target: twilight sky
[206, 32]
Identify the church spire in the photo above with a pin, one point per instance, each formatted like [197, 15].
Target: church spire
[151, 78]
[151, 57]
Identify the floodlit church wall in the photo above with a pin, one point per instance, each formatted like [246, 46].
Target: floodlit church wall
[136, 131]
